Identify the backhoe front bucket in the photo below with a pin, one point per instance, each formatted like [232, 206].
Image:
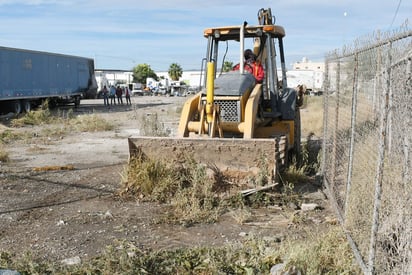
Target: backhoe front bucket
[240, 157]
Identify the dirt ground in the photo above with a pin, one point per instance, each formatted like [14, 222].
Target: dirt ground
[75, 213]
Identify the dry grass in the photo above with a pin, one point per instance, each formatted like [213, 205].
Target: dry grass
[61, 123]
[53, 125]
[323, 253]
[200, 194]
[4, 155]
[90, 123]
[148, 180]
[195, 193]
[37, 117]
[312, 116]
[242, 215]
[188, 189]
[6, 136]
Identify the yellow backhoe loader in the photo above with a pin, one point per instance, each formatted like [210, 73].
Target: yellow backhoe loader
[236, 123]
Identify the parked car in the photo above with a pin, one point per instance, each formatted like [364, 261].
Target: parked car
[136, 89]
[137, 92]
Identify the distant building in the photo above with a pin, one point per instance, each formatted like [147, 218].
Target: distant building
[308, 73]
[112, 77]
[308, 65]
[191, 78]
[304, 72]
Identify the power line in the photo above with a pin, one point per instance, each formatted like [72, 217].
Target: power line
[396, 14]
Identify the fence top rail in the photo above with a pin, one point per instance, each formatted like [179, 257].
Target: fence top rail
[334, 56]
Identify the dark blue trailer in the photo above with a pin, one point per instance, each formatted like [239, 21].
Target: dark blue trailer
[27, 78]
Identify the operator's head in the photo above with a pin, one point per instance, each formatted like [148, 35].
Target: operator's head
[249, 55]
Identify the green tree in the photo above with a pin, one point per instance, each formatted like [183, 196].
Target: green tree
[227, 66]
[141, 72]
[175, 71]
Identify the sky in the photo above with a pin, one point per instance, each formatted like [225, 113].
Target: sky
[120, 34]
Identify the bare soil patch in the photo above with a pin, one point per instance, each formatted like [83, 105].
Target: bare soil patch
[58, 194]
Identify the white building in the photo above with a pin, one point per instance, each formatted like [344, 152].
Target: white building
[313, 80]
[307, 73]
[307, 65]
[191, 78]
[112, 77]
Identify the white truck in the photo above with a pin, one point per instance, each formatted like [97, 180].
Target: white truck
[163, 86]
[136, 89]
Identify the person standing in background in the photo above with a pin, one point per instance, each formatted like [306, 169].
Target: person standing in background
[119, 94]
[105, 93]
[112, 95]
[127, 95]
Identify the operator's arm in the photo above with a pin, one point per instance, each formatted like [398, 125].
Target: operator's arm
[259, 73]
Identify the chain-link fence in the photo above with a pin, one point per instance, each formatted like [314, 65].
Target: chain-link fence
[367, 148]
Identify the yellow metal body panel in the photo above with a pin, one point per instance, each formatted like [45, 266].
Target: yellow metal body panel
[227, 127]
[233, 32]
[248, 127]
[210, 89]
[277, 128]
[190, 108]
[250, 112]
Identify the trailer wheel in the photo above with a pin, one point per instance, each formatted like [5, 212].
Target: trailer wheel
[77, 101]
[16, 107]
[27, 106]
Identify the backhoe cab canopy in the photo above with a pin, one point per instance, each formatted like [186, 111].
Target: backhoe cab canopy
[266, 42]
[233, 32]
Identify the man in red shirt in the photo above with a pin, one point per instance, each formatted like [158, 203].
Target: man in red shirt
[253, 67]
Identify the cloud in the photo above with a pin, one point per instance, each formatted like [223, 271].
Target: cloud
[33, 2]
[159, 32]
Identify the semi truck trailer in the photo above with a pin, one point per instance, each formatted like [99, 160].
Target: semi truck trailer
[27, 78]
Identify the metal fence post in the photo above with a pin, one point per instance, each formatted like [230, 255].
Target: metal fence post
[352, 133]
[325, 116]
[406, 145]
[335, 131]
[380, 166]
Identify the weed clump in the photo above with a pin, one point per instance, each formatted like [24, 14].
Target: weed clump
[38, 117]
[71, 122]
[8, 136]
[4, 155]
[198, 193]
[148, 180]
[90, 123]
[326, 253]
[188, 188]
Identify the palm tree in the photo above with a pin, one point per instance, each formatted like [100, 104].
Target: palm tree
[227, 66]
[175, 71]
